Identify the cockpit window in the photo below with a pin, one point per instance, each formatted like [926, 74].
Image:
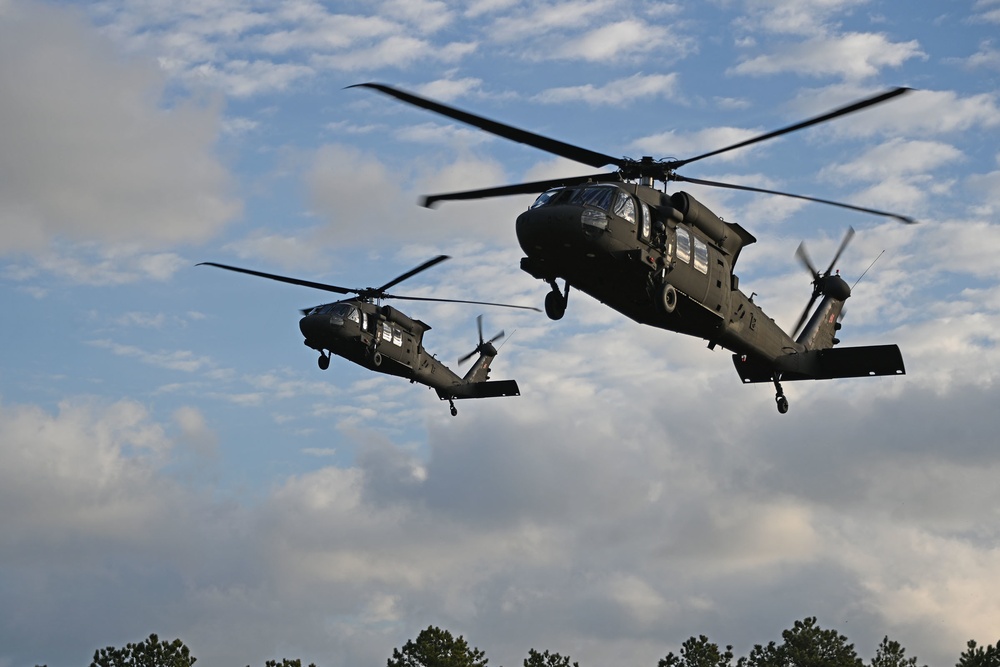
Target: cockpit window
[598, 196]
[625, 206]
[546, 197]
[342, 310]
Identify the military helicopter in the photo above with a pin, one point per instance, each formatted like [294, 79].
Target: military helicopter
[383, 339]
[667, 261]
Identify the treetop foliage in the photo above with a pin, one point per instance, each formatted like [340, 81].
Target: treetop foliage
[435, 647]
[977, 656]
[546, 659]
[149, 653]
[698, 653]
[804, 645]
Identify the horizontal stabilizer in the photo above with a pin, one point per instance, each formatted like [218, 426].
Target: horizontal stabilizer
[480, 390]
[828, 364]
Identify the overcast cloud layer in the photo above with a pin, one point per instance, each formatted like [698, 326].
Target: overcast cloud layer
[172, 461]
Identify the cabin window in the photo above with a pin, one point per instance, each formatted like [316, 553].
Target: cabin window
[386, 333]
[647, 222]
[683, 245]
[397, 337]
[625, 206]
[700, 255]
[598, 196]
[353, 316]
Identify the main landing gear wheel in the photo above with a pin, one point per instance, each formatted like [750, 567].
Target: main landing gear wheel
[779, 396]
[555, 302]
[668, 298]
[376, 359]
[323, 361]
[454, 410]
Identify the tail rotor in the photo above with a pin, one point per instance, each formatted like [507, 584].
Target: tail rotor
[821, 281]
[484, 345]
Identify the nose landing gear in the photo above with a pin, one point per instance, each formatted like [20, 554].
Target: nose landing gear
[555, 301]
[779, 396]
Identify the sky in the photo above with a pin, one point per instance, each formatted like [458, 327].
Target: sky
[172, 460]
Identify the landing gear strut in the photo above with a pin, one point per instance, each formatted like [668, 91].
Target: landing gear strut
[323, 361]
[779, 396]
[451, 404]
[555, 301]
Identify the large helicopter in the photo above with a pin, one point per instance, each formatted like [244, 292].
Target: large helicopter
[667, 261]
[384, 339]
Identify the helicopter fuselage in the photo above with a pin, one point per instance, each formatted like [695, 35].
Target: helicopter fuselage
[662, 261]
[384, 339]
[379, 338]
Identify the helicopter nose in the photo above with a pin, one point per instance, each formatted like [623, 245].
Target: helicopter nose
[315, 326]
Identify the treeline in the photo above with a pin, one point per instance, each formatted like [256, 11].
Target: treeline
[804, 645]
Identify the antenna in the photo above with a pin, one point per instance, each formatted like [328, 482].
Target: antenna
[866, 270]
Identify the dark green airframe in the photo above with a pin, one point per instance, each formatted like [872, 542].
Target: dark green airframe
[667, 261]
[384, 339]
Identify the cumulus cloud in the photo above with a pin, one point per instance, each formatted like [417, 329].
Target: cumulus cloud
[615, 93]
[853, 56]
[90, 154]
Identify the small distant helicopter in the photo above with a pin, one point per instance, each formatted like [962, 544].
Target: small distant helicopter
[383, 339]
[667, 260]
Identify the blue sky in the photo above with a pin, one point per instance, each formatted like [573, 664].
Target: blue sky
[173, 461]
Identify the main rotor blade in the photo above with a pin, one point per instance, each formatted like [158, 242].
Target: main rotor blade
[533, 187]
[902, 218]
[412, 272]
[480, 303]
[284, 279]
[836, 113]
[562, 149]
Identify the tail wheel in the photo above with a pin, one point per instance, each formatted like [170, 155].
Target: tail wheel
[668, 298]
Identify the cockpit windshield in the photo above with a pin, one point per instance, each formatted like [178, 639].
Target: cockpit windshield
[598, 196]
[344, 311]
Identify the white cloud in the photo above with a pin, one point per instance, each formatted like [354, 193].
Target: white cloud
[897, 157]
[89, 153]
[545, 18]
[853, 56]
[399, 51]
[621, 92]
[795, 17]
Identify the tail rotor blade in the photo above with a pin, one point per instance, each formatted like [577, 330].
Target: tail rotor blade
[803, 256]
[843, 244]
[805, 314]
